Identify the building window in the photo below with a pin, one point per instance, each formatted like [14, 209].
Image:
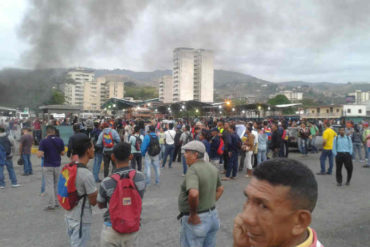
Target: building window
[337, 110]
[327, 110]
[331, 109]
[348, 110]
[313, 111]
[359, 111]
[318, 110]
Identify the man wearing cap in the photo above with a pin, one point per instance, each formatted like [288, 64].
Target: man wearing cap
[198, 195]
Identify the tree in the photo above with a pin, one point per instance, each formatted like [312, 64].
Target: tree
[57, 98]
[278, 100]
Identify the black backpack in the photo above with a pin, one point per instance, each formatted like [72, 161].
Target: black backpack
[4, 141]
[154, 148]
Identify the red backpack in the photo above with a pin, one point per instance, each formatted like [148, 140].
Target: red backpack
[67, 191]
[125, 204]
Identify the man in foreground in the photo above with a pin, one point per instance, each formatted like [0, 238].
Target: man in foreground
[199, 193]
[109, 236]
[278, 211]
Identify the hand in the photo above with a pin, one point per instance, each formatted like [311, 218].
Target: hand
[240, 236]
[230, 154]
[194, 219]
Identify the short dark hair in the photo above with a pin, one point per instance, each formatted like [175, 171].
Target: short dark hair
[187, 127]
[151, 128]
[136, 129]
[232, 126]
[2, 129]
[170, 126]
[81, 144]
[50, 129]
[288, 172]
[122, 151]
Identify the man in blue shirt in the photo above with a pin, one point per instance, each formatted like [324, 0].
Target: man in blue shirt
[150, 151]
[342, 150]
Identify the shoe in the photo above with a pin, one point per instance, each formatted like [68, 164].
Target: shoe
[347, 183]
[366, 166]
[339, 184]
[223, 172]
[98, 181]
[247, 176]
[328, 173]
[225, 179]
[2, 187]
[24, 174]
[49, 208]
[321, 173]
[183, 175]
[362, 161]
[16, 185]
[57, 206]
[233, 178]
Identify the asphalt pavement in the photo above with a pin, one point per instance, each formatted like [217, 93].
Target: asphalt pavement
[341, 217]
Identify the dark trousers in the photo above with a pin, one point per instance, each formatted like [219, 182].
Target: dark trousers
[226, 159]
[232, 165]
[346, 159]
[136, 160]
[177, 153]
[254, 160]
[283, 152]
[107, 160]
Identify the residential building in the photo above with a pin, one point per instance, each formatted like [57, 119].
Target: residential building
[193, 75]
[166, 89]
[293, 96]
[74, 87]
[335, 111]
[203, 75]
[361, 97]
[81, 89]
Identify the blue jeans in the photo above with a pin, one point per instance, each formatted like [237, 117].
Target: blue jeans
[27, 166]
[97, 164]
[10, 168]
[261, 156]
[163, 149]
[304, 148]
[152, 161]
[184, 165]
[42, 177]
[233, 165]
[324, 155]
[169, 151]
[313, 144]
[201, 235]
[73, 230]
[357, 149]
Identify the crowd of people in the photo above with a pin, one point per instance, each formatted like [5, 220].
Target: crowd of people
[206, 148]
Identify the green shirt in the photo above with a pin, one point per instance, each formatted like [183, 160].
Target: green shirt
[204, 177]
[314, 130]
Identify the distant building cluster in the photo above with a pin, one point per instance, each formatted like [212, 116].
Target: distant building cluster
[360, 97]
[84, 90]
[192, 77]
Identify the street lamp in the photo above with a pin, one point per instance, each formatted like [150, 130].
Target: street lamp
[220, 107]
[149, 104]
[196, 110]
[243, 111]
[233, 109]
[114, 105]
[183, 107]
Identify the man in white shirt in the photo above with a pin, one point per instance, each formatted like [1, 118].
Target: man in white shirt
[169, 145]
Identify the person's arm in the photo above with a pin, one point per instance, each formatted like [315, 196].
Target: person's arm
[335, 146]
[116, 137]
[350, 146]
[144, 144]
[100, 139]
[102, 195]
[219, 192]
[92, 198]
[40, 154]
[193, 199]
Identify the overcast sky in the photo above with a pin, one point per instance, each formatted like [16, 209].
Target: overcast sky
[310, 40]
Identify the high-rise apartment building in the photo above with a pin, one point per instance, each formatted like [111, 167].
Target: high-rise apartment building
[166, 89]
[203, 75]
[83, 90]
[74, 88]
[192, 75]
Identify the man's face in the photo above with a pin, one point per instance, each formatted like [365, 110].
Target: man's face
[190, 157]
[267, 214]
[341, 131]
[91, 151]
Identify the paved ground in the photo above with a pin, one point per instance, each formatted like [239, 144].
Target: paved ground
[341, 218]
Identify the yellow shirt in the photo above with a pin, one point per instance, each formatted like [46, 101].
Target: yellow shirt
[328, 136]
[309, 240]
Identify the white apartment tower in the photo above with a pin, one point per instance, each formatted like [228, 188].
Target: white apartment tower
[74, 89]
[166, 89]
[193, 75]
[203, 75]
